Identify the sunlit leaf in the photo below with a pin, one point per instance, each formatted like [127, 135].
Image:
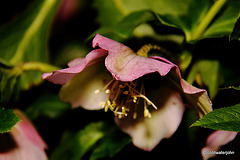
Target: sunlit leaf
[221, 119]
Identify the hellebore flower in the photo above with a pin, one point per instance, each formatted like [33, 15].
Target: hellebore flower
[215, 141]
[22, 142]
[144, 93]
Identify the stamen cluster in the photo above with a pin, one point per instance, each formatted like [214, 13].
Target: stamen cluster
[124, 96]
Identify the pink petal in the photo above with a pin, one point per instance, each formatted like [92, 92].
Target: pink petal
[64, 75]
[125, 65]
[148, 132]
[196, 98]
[215, 141]
[76, 62]
[185, 86]
[79, 91]
[28, 130]
[29, 145]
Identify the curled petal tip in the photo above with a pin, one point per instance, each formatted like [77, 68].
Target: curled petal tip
[46, 75]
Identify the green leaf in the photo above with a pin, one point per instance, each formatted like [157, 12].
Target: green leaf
[198, 19]
[204, 19]
[106, 8]
[8, 84]
[163, 7]
[231, 87]
[103, 139]
[47, 105]
[73, 147]
[7, 120]
[127, 15]
[189, 18]
[125, 27]
[25, 39]
[236, 88]
[223, 25]
[210, 75]
[221, 119]
[185, 60]
[12, 77]
[112, 143]
[183, 14]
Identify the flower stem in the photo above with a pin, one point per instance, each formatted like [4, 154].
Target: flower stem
[30, 66]
[198, 32]
[120, 7]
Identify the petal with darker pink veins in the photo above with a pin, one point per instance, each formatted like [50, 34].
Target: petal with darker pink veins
[125, 65]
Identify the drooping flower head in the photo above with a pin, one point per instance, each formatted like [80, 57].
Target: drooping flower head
[144, 93]
[22, 143]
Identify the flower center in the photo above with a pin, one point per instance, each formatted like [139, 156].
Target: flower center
[124, 96]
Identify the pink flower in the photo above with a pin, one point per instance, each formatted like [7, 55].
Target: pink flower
[144, 93]
[22, 143]
[215, 141]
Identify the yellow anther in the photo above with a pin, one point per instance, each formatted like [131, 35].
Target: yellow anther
[123, 96]
[149, 115]
[106, 108]
[147, 100]
[134, 99]
[97, 91]
[102, 104]
[107, 91]
[146, 112]
[135, 115]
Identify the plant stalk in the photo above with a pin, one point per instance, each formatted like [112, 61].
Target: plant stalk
[199, 31]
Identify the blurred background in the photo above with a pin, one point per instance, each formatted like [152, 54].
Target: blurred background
[68, 35]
